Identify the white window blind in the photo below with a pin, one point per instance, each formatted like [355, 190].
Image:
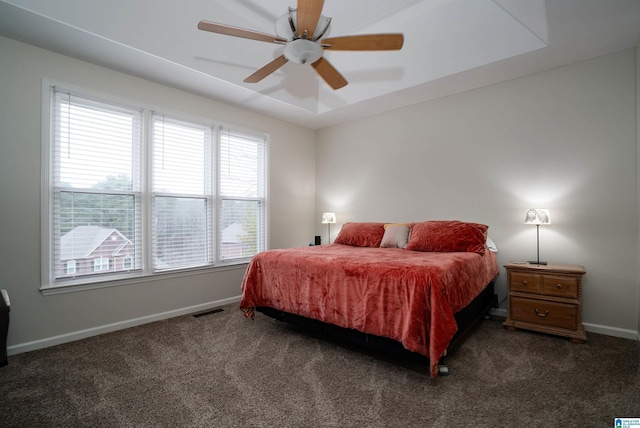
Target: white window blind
[241, 168]
[96, 212]
[182, 194]
[124, 203]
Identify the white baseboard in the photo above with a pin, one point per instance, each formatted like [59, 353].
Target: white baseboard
[593, 328]
[612, 331]
[499, 312]
[82, 334]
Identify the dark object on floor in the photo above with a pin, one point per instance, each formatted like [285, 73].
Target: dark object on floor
[4, 326]
[213, 311]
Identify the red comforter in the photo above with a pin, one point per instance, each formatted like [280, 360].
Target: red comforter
[409, 296]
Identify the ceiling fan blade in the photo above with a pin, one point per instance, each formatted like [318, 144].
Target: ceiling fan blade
[238, 32]
[307, 16]
[329, 73]
[266, 70]
[365, 42]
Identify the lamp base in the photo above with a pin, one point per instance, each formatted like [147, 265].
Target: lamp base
[536, 262]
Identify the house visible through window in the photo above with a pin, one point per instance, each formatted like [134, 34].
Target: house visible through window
[204, 203]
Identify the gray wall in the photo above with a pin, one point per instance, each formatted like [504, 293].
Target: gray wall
[563, 139]
[37, 320]
[637, 52]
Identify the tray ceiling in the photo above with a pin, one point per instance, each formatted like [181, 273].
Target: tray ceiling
[450, 46]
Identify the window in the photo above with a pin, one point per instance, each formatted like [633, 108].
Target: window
[182, 193]
[242, 194]
[71, 267]
[127, 263]
[96, 181]
[100, 264]
[195, 189]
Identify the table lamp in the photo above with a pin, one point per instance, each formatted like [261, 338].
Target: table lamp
[537, 216]
[328, 218]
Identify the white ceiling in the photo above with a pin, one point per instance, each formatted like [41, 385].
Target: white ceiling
[450, 46]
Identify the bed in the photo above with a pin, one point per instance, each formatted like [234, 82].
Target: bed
[402, 282]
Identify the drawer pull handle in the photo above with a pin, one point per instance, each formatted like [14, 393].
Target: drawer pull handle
[541, 315]
[525, 283]
[558, 286]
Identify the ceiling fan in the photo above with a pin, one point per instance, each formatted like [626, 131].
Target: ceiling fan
[302, 31]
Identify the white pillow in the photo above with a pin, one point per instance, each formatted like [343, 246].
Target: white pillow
[491, 246]
[395, 236]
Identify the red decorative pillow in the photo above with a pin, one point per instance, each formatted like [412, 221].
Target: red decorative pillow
[448, 236]
[361, 234]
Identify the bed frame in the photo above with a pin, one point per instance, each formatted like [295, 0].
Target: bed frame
[467, 318]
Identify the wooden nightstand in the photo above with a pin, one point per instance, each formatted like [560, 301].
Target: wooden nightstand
[546, 298]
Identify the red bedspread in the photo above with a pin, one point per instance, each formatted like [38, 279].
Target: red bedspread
[409, 296]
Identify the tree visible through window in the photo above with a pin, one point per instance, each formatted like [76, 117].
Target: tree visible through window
[205, 201]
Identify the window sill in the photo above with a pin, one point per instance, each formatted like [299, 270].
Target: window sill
[71, 287]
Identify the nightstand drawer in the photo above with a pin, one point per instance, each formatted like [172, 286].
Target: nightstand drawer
[564, 286]
[542, 312]
[525, 282]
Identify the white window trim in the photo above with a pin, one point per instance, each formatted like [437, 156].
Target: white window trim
[48, 285]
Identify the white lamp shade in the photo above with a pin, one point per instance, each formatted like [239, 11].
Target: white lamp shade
[538, 216]
[328, 218]
[302, 51]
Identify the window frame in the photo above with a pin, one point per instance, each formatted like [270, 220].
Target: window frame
[49, 283]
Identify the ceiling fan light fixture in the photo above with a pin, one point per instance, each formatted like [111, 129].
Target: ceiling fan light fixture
[302, 51]
[301, 47]
[283, 28]
[323, 28]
